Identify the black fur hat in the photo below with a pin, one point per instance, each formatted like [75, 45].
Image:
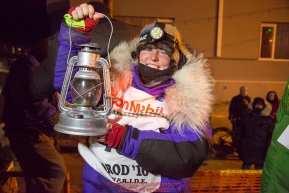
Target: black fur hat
[259, 100]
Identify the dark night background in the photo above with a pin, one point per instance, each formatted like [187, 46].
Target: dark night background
[24, 22]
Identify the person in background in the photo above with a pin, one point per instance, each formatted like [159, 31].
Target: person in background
[275, 173]
[254, 134]
[29, 126]
[152, 150]
[239, 104]
[273, 99]
[238, 108]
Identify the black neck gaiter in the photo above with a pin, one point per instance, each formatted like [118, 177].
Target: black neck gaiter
[257, 111]
[151, 76]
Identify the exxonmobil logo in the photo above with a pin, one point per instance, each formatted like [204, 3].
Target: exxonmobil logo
[135, 107]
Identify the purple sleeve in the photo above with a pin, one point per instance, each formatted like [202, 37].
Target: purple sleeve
[151, 150]
[64, 50]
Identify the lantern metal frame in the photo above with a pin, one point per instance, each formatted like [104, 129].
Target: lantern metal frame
[80, 120]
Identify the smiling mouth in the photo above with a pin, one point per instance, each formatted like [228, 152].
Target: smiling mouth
[153, 66]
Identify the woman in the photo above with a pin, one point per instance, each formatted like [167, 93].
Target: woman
[163, 96]
[254, 135]
[273, 99]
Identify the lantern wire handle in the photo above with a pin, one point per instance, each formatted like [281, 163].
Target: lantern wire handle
[108, 44]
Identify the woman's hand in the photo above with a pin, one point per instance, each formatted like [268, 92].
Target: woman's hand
[101, 138]
[85, 10]
[114, 136]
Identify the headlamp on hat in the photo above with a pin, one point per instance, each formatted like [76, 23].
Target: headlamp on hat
[162, 36]
[157, 33]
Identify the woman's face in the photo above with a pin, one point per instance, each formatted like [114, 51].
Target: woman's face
[271, 96]
[155, 58]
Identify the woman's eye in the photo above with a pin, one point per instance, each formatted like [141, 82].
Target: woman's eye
[163, 52]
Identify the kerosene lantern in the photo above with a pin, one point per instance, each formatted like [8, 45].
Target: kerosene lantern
[81, 117]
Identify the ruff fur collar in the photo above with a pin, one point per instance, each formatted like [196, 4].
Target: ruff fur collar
[266, 111]
[189, 101]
